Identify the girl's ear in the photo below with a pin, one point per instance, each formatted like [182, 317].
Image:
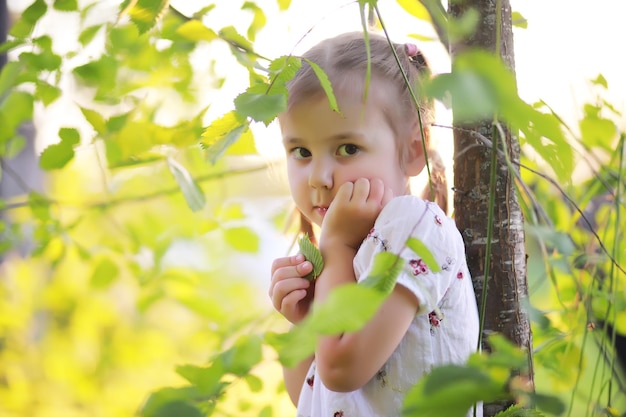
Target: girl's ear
[414, 160]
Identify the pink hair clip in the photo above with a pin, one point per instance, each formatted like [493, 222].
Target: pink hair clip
[411, 49]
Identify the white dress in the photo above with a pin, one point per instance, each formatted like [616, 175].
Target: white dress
[436, 336]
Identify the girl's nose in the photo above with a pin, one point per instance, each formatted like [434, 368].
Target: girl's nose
[321, 174]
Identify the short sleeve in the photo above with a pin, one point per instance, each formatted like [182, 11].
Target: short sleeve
[410, 216]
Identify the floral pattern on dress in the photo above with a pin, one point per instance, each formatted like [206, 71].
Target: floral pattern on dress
[384, 244]
[449, 262]
[418, 266]
[435, 320]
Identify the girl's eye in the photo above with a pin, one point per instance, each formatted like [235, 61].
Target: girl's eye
[348, 150]
[300, 153]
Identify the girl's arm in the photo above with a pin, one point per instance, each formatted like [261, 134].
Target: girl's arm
[292, 295]
[294, 378]
[347, 361]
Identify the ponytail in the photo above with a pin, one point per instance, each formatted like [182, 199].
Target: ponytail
[438, 180]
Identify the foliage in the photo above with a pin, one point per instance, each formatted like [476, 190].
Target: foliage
[312, 254]
[120, 267]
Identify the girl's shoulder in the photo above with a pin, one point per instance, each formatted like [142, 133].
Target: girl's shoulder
[410, 208]
[409, 215]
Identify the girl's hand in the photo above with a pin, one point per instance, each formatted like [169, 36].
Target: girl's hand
[291, 294]
[353, 211]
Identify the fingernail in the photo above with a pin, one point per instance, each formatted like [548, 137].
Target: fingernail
[299, 257]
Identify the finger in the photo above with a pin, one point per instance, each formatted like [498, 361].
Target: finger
[286, 261]
[361, 190]
[387, 196]
[288, 273]
[377, 191]
[281, 289]
[344, 194]
[291, 300]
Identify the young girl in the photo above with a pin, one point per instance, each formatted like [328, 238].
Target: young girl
[349, 174]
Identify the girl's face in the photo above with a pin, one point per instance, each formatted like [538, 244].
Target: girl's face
[325, 149]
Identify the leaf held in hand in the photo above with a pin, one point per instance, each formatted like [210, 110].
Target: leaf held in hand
[313, 255]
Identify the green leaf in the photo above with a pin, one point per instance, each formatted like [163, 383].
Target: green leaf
[597, 131]
[258, 21]
[294, 346]
[44, 61]
[555, 241]
[517, 411]
[104, 274]
[423, 252]
[69, 135]
[326, 85]
[165, 399]
[87, 35]
[144, 13]
[40, 206]
[101, 73]
[242, 238]
[254, 382]
[548, 403]
[260, 107]
[56, 156]
[221, 134]
[13, 148]
[95, 119]
[244, 145]
[313, 255]
[282, 70]
[207, 379]
[8, 77]
[504, 354]
[384, 273]
[30, 16]
[66, 5]
[283, 4]
[601, 81]
[415, 9]
[421, 38]
[519, 20]
[196, 31]
[178, 409]
[465, 25]
[230, 35]
[10, 44]
[466, 93]
[191, 190]
[47, 93]
[16, 109]
[467, 385]
[243, 356]
[347, 309]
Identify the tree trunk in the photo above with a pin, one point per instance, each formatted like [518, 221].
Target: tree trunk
[506, 282]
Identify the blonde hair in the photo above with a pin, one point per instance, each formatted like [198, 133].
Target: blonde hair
[344, 59]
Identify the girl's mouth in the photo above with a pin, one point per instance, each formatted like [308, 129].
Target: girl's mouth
[321, 210]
